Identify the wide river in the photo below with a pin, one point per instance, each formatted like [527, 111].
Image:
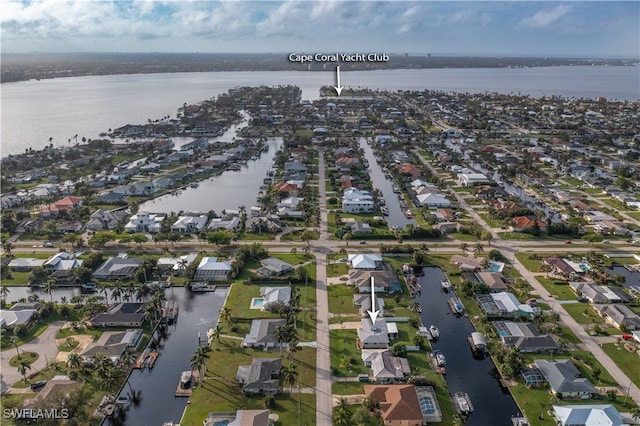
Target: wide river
[34, 111]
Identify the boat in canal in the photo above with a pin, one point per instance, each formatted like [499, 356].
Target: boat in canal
[440, 359]
[446, 286]
[194, 185]
[456, 305]
[435, 332]
[408, 214]
[89, 287]
[186, 382]
[170, 311]
[384, 210]
[478, 342]
[396, 189]
[462, 403]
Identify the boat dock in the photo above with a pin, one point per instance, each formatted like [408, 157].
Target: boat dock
[147, 359]
[456, 305]
[187, 391]
[436, 367]
[462, 403]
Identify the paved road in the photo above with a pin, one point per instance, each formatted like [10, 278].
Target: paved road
[324, 402]
[45, 345]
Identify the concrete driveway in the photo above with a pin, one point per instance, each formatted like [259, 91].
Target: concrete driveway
[45, 345]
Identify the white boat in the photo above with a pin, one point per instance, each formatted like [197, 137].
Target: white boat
[384, 210]
[194, 185]
[462, 403]
[185, 379]
[435, 333]
[446, 285]
[440, 358]
[408, 214]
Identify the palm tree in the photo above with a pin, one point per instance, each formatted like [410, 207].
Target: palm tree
[110, 378]
[215, 332]
[479, 248]
[225, 314]
[128, 357]
[199, 360]
[7, 246]
[464, 247]
[346, 237]
[342, 414]
[289, 376]
[4, 292]
[23, 365]
[51, 286]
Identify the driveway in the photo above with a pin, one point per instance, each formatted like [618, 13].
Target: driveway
[45, 345]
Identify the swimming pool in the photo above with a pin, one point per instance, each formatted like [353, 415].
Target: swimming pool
[257, 302]
[426, 405]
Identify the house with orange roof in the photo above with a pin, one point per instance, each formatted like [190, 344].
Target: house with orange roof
[289, 188]
[523, 223]
[399, 404]
[409, 170]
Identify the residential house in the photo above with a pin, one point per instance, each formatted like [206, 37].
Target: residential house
[114, 343]
[54, 390]
[262, 334]
[239, 418]
[190, 224]
[505, 305]
[489, 192]
[387, 368]
[494, 280]
[376, 336]
[25, 264]
[385, 281]
[410, 170]
[264, 224]
[619, 315]
[110, 197]
[525, 223]
[62, 265]
[262, 377]
[366, 261]
[363, 302]
[356, 201]
[525, 337]
[399, 404]
[274, 266]
[130, 314]
[598, 294]
[565, 268]
[275, 294]
[145, 222]
[432, 200]
[469, 179]
[210, 269]
[360, 228]
[563, 378]
[117, 268]
[227, 222]
[467, 263]
[175, 265]
[101, 219]
[19, 314]
[589, 415]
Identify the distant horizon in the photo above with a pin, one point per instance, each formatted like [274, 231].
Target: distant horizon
[284, 53]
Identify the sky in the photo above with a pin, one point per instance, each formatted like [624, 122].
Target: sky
[509, 28]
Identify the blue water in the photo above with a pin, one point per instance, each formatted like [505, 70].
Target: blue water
[257, 302]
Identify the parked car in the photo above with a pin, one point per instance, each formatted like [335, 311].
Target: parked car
[567, 242]
[627, 337]
[48, 244]
[362, 242]
[38, 384]
[363, 377]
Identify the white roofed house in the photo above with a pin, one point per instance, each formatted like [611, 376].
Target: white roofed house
[433, 200]
[471, 179]
[23, 264]
[61, 265]
[105, 219]
[366, 261]
[274, 266]
[356, 201]
[589, 415]
[376, 336]
[145, 222]
[210, 269]
[175, 265]
[189, 224]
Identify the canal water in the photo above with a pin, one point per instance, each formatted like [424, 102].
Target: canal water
[493, 406]
[229, 191]
[155, 401]
[380, 181]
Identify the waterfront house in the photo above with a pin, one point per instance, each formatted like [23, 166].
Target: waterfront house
[129, 314]
[48, 396]
[238, 418]
[525, 223]
[228, 222]
[20, 313]
[263, 224]
[110, 197]
[275, 294]
[175, 265]
[274, 266]
[62, 265]
[25, 264]
[117, 268]
[619, 315]
[563, 378]
[494, 280]
[385, 281]
[262, 334]
[262, 377]
[467, 263]
[433, 200]
[386, 368]
[505, 305]
[188, 224]
[525, 337]
[145, 222]
[356, 201]
[114, 344]
[366, 261]
[376, 336]
[409, 170]
[589, 415]
[399, 404]
[210, 269]
[468, 179]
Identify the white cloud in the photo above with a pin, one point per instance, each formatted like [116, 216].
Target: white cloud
[544, 18]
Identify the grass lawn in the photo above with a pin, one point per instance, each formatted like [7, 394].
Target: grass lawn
[635, 215]
[532, 402]
[343, 345]
[18, 279]
[35, 330]
[583, 313]
[567, 334]
[219, 391]
[517, 236]
[559, 289]
[532, 265]
[347, 388]
[337, 269]
[341, 300]
[295, 235]
[627, 361]
[30, 356]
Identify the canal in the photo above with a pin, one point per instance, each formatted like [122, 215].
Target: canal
[230, 190]
[493, 406]
[380, 181]
[155, 402]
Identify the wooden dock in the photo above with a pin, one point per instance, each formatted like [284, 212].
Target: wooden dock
[147, 359]
[436, 367]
